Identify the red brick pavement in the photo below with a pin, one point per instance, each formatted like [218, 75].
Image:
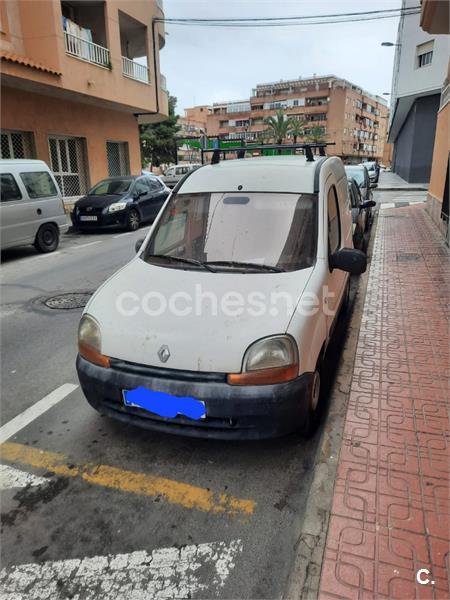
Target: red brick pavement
[390, 513]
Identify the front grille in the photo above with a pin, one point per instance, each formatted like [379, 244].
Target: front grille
[161, 373]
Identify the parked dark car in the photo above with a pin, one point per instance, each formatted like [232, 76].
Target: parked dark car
[361, 214]
[361, 176]
[120, 202]
[373, 168]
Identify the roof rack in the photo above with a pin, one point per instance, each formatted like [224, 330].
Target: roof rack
[241, 150]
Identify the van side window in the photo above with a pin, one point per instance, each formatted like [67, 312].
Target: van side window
[334, 226]
[9, 188]
[39, 184]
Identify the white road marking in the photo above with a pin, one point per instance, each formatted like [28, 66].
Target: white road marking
[384, 205]
[84, 245]
[13, 478]
[162, 574]
[144, 231]
[35, 411]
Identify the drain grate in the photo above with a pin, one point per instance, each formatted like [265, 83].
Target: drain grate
[408, 257]
[68, 301]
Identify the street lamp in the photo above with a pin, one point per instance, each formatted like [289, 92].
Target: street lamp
[388, 44]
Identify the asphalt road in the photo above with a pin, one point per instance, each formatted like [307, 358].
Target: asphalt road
[93, 499]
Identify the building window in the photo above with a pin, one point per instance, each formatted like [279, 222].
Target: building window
[17, 144]
[118, 160]
[69, 164]
[424, 54]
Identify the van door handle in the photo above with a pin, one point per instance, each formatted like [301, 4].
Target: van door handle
[39, 211]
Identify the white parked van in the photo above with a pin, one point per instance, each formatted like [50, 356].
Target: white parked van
[31, 207]
[219, 326]
[174, 174]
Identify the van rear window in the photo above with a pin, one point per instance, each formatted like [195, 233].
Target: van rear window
[39, 184]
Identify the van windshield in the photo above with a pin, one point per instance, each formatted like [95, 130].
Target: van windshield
[236, 231]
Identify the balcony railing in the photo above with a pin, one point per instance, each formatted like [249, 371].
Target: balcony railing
[85, 50]
[163, 82]
[135, 70]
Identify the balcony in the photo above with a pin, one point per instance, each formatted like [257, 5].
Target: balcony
[135, 70]
[163, 82]
[134, 47]
[85, 31]
[85, 50]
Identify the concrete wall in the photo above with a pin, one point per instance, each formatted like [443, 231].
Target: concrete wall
[408, 79]
[44, 116]
[414, 144]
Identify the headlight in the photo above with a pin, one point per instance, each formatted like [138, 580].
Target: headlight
[116, 206]
[90, 341]
[270, 360]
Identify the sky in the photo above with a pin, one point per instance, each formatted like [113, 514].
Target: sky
[206, 65]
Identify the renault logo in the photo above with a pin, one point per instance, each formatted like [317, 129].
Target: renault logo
[164, 353]
[88, 208]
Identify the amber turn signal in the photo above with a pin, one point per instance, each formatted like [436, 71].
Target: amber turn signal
[264, 376]
[93, 355]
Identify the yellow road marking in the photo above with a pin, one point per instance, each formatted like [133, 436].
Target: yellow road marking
[175, 492]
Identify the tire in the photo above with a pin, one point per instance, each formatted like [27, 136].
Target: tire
[315, 403]
[134, 220]
[47, 238]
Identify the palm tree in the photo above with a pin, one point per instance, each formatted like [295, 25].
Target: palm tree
[316, 134]
[296, 128]
[278, 126]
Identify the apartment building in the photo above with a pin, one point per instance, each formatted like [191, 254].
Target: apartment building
[77, 79]
[435, 21]
[338, 110]
[420, 67]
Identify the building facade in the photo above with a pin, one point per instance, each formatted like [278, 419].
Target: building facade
[331, 108]
[420, 67]
[192, 125]
[435, 20]
[74, 95]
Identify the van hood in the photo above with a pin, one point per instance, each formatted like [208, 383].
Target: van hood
[207, 320]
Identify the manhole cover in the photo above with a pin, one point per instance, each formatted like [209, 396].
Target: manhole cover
[68, 301]
[407, 257]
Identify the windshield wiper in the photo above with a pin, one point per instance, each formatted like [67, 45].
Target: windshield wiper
[181, 259]
[245, 265]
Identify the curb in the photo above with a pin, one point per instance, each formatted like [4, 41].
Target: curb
[402, 189]
[304, 578]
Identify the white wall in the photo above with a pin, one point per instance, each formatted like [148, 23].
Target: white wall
[408, 79]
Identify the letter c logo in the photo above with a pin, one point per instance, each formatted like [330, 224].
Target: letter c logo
[419, 576]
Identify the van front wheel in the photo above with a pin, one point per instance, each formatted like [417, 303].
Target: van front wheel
[47, 238]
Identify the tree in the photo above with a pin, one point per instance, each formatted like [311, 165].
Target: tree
[158, 140]
[278, 126]
[296, 127]
[316, 134]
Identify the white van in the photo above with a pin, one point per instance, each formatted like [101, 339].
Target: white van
[174, 174]
[31, 207]
[219, 326]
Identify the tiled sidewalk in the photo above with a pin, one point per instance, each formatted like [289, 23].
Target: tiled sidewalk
[390, 514]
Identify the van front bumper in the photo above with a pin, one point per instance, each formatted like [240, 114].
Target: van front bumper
[232, 412]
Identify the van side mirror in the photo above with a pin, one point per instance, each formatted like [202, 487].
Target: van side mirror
[349, 259]
[368, 204]
[138, 244]
[373, 185]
